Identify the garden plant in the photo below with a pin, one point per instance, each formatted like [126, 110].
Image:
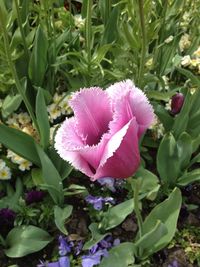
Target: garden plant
[99, 133]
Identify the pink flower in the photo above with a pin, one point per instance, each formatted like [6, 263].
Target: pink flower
[101, 140]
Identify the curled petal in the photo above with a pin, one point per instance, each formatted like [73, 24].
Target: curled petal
[121, 156]
[138, 103]
[93, 113]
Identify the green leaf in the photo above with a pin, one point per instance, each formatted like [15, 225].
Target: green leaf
[149, 183]
[24, 240]
[189, 178]
[42, 119]
[63, 167]
[190, 76]
[111, 29]
[165, 96]
[12, 199]
[117, 214]
[100, 53]
[168, 163]
[184, 145]
[51, 177]
[120, 256]
[167, 212]
[19, 142]
[38, 60]
[164, 117]
[60, 216]
[10, 104]
[37, 178]
[147, 244]
[96, 236]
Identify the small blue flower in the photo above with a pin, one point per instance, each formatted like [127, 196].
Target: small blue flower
[93, 259]
[98, 202]
[64, 247]
[108, 182]
[174, 264]
[64, 262]
[78, 248]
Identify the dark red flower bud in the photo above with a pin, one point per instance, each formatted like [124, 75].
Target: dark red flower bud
[177, 103]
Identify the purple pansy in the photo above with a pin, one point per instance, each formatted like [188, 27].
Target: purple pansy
[34, 196]
[7, 217]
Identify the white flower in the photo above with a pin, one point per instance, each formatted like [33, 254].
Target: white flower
[54, 111]
[25, 165]
[13, 121]
[24, 118]
[2, 164]
[57, 98]
[10, 154]
[169, 39]
[197, 52]
[79, 21]
[185, 61]
[184, 42]
[5, 173]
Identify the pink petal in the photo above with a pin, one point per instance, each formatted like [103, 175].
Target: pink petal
[121, 156]
[66, 138]
[72, 148]
[92, 111]
[138, 103]
[69, 144]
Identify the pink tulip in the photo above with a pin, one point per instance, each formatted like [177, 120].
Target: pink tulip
[101, 140]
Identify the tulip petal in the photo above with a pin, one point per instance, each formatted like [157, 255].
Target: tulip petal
[67, 138]
[92, 111]
[121, 156]
[138, 103]
[72, 148]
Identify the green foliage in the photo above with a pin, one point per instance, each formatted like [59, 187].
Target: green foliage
[52, 179]
[60, 216]
[97, 236]
[44, 49]
[159, 225]
[19, 142]
[122, 255]
[19, 239]
[38, 60]
[42, 119]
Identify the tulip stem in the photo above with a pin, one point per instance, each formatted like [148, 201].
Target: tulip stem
[135, 184]
[137, 209]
